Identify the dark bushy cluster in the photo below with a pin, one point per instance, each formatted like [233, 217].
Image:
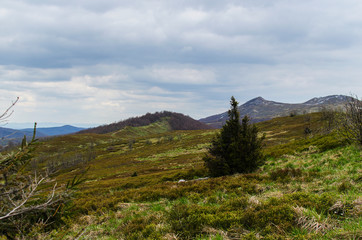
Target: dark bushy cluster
[177, 121]
[237, 149]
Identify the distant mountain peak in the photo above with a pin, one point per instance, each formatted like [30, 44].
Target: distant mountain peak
[326, 100]
[257, 100]
[259, 109]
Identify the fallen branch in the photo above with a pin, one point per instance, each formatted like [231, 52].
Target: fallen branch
[19, 205]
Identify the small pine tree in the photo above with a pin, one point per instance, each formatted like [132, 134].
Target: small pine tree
[237, 148]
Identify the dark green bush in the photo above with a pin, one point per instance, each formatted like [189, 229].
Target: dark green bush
[187, 175]
[345, 186]
[238, 203]
[238, 185]
[188, 220]
[141, 227]
[321, 203]
[269, 215]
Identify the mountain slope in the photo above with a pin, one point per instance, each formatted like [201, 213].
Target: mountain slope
[176, 121]
[53, 131]
[260, 109]
[15, 136]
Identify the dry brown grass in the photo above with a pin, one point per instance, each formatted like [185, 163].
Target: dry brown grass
[310, 223]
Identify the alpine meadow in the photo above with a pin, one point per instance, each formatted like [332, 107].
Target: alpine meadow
[168, 176]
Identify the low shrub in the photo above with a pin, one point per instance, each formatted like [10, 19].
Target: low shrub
[141, 228]
[321, 203]
[266, 216]
[173, 190]
[190, 174]
[322, 142]
[344, 186]
[285, 173]
[188, 221]
[238, 203]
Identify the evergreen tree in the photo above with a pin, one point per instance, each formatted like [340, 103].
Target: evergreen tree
[237, 148]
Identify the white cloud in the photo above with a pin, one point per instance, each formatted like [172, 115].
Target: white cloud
[193, 16]
[182, 75]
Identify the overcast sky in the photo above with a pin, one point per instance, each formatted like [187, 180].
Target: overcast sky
[101, 61]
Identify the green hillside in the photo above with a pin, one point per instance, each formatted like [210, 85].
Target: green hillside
[309, 188]
[161, 126]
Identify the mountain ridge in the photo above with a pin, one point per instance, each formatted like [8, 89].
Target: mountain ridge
[260, 109]
[53, 131]
[16, 135]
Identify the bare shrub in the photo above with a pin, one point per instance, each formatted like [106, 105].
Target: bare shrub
[25, 201]
[350, 121]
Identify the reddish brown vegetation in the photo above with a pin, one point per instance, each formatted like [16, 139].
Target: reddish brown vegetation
[177, 121]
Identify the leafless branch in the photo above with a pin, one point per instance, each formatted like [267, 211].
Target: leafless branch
[351, 120]
[19, 205]
[21, 195]
[8, 112]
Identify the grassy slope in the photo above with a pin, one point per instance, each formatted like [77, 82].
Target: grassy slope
[311, 194]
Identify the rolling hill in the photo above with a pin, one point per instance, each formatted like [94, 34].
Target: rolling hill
[175, 121]
[54, 131]
[260, 109]
[16, 135]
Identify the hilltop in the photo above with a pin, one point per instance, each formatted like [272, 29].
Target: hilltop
[174, 121]
[260, 109]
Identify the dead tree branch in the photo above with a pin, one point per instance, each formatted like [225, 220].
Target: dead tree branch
[8, 112]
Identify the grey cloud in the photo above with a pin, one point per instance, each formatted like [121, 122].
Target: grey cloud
[118, 54]
[73, 35]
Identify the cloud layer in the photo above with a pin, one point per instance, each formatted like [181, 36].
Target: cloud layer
[97, 61]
